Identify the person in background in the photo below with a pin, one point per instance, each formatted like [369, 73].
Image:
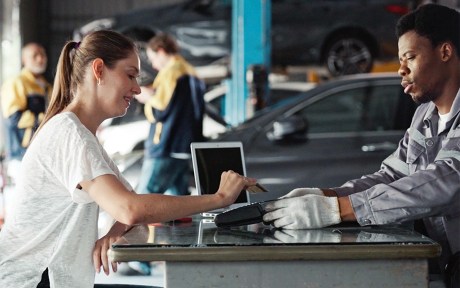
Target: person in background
[174, 105]
[68, 176]
[23, 100]
[420, 180]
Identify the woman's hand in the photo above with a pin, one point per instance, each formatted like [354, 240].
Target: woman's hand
[102, 246]
[231, 184]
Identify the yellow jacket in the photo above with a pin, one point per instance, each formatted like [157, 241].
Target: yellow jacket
[165, 83]
[15, 91]
[14, 95]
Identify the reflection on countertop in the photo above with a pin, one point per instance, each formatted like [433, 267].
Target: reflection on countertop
[203, 232]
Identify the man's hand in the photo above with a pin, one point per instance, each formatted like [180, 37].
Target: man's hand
[304, 212]
[303, 191]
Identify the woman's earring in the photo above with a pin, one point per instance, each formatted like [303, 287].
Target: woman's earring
[98, 81]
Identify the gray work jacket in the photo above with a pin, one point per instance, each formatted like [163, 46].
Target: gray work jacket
[421, 179]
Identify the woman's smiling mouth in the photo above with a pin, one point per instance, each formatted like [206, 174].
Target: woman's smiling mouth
[128, 100]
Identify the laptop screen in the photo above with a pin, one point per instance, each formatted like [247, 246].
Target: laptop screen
[211, 159]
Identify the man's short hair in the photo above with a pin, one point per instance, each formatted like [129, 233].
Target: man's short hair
[435, 22]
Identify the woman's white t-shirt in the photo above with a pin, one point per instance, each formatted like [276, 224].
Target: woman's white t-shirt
[51, 224]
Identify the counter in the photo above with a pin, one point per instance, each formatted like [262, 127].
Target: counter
[259, 256]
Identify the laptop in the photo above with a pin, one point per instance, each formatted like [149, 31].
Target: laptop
[209, 160]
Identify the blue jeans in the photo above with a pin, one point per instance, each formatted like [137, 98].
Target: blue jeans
[164, 175]
[14, 135]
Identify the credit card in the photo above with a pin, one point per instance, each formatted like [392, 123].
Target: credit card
[256, 188]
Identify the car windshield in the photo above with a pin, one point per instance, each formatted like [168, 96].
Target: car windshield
[274, 106]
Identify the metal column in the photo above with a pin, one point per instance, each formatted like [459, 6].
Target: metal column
[251, 45]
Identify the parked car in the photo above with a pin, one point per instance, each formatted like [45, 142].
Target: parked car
[332, 133]
[345, 35]
[337, 131]
[278, 91]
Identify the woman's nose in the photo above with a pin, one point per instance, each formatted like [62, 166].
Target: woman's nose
[137, 88]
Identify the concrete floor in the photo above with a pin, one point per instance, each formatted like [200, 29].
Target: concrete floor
[155, 279]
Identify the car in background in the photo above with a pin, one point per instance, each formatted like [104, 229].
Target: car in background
[278, 92]
[123, 137]
[347, 36]
[335, 132]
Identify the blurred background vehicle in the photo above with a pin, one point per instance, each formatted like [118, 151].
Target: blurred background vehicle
[278, 91]
[123, 137]
[337, 131]
[346, 36]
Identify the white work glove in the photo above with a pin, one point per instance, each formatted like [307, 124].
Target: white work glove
[303, 191]
[303, 212]
[304, 236]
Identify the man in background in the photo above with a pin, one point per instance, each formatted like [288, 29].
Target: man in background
[23, 100]
[174, 105]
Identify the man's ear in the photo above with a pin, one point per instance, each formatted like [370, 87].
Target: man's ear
[98, 67]
[446, 51]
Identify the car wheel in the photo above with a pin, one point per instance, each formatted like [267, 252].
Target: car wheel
[348, 55]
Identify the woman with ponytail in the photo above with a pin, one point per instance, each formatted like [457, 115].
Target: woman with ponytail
[67, 175]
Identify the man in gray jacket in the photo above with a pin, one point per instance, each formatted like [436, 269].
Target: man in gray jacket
[421, 179]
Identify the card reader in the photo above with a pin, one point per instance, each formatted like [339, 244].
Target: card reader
[245, 215]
